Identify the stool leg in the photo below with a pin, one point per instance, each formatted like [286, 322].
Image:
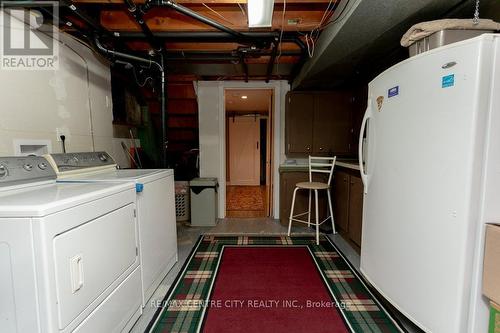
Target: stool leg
[291, 211]
[309, 211]
[317, 216]
[331, 210]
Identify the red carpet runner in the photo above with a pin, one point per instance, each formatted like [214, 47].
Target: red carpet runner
[271, 289]
[268, 284]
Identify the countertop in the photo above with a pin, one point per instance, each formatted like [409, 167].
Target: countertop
[348, 164]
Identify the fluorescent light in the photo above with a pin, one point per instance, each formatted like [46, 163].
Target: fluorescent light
[260, 13]
[244, 97]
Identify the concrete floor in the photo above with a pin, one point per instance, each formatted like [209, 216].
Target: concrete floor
[187, 237]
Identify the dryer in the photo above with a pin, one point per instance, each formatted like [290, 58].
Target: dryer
[68, 252]
[155, 197]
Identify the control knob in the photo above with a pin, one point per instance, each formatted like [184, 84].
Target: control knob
[28, 167]
[42, 166]
[103, 157]
[3, 171]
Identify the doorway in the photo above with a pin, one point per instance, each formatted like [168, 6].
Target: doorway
[249, 116]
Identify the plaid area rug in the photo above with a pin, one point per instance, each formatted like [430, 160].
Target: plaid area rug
[186, 305]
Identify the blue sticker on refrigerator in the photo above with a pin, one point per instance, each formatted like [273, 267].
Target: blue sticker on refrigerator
[448, 81]
[394, 91]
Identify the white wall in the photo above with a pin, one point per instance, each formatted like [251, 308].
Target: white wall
[210, 96]
[75, 98]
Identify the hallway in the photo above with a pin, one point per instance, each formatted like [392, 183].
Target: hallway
[246, 201]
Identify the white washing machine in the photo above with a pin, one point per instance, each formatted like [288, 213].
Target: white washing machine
[68, 252]
[155, 207]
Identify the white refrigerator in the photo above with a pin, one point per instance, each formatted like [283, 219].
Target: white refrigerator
[430, 165]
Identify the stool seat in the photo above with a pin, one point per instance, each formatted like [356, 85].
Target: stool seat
[313, 185]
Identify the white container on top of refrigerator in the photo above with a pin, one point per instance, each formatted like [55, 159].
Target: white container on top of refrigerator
[432, 182]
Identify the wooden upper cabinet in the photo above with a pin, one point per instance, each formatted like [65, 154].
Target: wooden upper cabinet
[299, 123]
[318, 123]
[332, 123]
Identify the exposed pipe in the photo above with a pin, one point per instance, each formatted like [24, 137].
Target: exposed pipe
[270, 65]
[217, 36]
[160, 67]
[245, 67]
[138, 14]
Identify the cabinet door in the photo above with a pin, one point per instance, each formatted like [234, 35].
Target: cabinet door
[355, 209]
[341, 200]
[299, 123]
[332, 123]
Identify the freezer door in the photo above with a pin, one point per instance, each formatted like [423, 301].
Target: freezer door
[423, 132]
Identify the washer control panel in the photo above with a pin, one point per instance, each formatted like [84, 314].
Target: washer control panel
[76, 161]
[21, 170]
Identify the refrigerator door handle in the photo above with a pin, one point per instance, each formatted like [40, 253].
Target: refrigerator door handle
[364, 175]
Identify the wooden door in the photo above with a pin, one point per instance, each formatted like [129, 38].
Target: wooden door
[299, 123]
[244, 151]
[341, 200]
[355, 209]
[332, 123]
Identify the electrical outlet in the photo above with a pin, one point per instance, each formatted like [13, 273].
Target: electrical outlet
[61, 131]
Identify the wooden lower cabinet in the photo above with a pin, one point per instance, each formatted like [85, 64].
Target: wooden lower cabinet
[348, 205]
[288, 179]
[355, 209]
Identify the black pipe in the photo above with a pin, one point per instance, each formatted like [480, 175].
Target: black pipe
[188, 12]
[161, 68]
[245, 67]
[138, 14]
[217, 36]
[270, 65]
[163, 103]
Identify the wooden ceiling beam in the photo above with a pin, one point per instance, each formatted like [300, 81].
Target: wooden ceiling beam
[163, 19]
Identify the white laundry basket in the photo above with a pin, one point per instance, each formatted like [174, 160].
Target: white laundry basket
[182, 205]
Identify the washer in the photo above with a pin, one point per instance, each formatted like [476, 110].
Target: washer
[68, 252]
[155, 207]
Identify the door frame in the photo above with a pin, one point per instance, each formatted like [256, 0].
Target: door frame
[273, 146]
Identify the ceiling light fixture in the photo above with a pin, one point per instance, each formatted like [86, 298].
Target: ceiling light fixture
[244, 97]
[260, 13]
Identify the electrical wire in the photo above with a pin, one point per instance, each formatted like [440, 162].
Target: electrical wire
[312, 36]
[137, 79]
[339, 17]
[281, 36]
[217, 13]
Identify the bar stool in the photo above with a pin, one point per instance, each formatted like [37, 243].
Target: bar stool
[316, 165]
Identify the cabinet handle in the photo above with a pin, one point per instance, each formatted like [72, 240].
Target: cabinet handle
[320, 148]
[308, 148]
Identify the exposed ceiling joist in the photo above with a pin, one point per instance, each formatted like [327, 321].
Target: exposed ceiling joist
[164, 19]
